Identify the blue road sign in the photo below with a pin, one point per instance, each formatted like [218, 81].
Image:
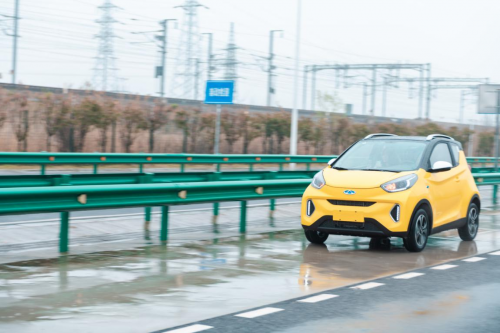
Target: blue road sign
[219, 92]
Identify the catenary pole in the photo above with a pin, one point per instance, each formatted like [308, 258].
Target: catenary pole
[15, 37]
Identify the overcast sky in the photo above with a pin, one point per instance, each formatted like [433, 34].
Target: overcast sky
[458, 37]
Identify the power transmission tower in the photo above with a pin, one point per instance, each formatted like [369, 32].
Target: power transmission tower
[271, 67]
[105, 71]
[230, 63]
[161, 71]
[189, 50]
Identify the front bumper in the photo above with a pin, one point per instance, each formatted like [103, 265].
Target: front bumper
[371, 220]
[369, 228]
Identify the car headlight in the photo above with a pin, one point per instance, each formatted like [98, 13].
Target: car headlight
[400, 184]
[318, 180]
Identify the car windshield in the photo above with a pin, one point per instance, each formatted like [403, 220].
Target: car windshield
[382, 155]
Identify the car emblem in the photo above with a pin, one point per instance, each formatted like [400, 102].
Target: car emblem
[349, 192]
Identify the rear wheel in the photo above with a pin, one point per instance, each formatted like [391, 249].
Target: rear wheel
[418, 232]
[469, 231]
[316, 237]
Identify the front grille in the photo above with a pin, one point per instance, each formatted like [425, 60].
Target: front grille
[351, 203]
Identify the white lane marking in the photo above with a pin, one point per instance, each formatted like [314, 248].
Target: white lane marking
[318, 298]
[495, 253]
[368, 285]
[258, 313]
[442, 267]
[408, 276]
[473, 259]
[191, 329]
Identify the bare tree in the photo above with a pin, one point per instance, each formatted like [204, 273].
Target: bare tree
[133, 121]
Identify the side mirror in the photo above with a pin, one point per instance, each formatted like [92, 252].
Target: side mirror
[330, 162]
[441, 166]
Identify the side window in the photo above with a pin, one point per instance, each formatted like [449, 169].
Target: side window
[455, 150]
[440, 153]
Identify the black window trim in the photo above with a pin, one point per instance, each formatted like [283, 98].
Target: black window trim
[455, 163]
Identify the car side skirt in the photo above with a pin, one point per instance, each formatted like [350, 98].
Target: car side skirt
[370, 228]
[449, 226]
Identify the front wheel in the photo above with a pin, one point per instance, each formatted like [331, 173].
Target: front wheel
[469, 231]
[418, 232]
[316, 237]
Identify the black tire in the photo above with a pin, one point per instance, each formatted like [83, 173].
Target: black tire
[418, 232]
[316, 237]
[469, 231]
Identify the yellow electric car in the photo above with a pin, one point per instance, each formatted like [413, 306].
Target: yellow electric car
[394, 186]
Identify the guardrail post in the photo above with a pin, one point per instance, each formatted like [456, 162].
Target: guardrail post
[96, 169]
[42, 169]
[495, 194]
[141, 168]
[147, 221]
[281, 166]
[218, 168]
[243, 217]
[164, 224]
[64, 233]
[215, 217]
[182, 167]
[250, 167]
[272, 207]
[308, 166]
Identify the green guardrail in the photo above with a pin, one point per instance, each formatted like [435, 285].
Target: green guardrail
[96, 159]
[64, 199]
[45, 159]
[146, 178]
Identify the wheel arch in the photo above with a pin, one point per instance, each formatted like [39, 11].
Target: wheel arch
[425, 204]
[475, 199]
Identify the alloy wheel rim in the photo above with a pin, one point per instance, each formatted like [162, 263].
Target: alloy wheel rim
[421, 230]
[473, 221]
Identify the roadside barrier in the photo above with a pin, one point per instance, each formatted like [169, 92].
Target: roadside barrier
[98, 159]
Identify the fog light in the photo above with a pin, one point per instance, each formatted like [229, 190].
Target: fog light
[395, 213]
[310, 208]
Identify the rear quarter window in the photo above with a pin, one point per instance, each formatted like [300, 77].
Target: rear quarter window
[455, 151]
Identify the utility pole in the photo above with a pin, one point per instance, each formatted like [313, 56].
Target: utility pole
[295, 111]
[313, 88]
[15, 35]
[429, 92]
[271, 67]
[197, 78]
[304, 88]
[374, 90]
[210, 56]
[365, 95]
[162, 71]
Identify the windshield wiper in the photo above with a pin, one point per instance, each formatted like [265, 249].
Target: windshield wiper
[339, 168]
[383, 170]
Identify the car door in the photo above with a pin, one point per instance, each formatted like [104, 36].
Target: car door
[444, 186]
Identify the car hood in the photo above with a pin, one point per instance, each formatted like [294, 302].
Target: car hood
[358, 178]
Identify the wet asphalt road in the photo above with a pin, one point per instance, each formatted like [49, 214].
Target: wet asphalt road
[459, 296]
[158, 287]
